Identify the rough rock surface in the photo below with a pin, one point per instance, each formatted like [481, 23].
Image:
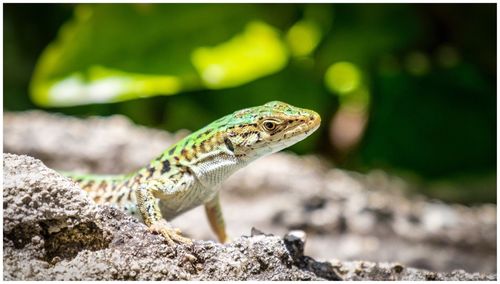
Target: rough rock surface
[346, 215]
[52, 231]
[113, 144]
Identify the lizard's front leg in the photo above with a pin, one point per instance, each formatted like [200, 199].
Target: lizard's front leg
[150, 211]
[215, 218]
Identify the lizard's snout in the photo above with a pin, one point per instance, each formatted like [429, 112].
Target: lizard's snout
[314, 120]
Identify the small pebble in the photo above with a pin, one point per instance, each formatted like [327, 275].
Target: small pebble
[135, 267]
[36, 239]
[26, 199]
[301, 235]
[398, 268]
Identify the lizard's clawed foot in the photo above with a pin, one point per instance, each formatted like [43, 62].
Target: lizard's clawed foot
[171, 235]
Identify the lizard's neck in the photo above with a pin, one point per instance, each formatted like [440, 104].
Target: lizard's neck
[213, 168]
[207, 154]
[210, 168]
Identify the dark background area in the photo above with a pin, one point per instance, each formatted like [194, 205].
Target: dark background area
[425, 103]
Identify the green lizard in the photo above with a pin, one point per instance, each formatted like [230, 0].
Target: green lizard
[190, 172]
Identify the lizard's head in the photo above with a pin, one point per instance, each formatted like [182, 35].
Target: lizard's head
[262, 130]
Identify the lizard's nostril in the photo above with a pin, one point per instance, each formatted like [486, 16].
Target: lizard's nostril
[314, 118]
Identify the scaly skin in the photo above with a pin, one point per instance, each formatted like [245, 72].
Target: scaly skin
[190, 172]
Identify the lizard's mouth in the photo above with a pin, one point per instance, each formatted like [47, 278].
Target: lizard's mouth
[314, 121]
[309, 123]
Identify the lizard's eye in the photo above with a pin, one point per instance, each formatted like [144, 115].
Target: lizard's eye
[269, 125]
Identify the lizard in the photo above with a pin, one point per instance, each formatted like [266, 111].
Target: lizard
[190, 172]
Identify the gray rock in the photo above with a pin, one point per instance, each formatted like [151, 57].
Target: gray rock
[66, 237]
[346, 215]
[61, 235]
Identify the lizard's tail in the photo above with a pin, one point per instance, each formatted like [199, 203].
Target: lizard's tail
[101, 188]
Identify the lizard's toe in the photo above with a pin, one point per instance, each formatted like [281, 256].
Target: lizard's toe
[179, 238]
[171, 235]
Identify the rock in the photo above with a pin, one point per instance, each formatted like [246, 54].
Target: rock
[67, 237]
[345, 215]
[116, 138]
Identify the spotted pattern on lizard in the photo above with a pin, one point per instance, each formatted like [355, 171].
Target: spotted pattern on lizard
[190, 172]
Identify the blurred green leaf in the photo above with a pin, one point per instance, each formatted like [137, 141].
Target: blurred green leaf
[112, 53]
[256, 52]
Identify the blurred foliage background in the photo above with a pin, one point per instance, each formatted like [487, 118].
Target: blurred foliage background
[407, 88]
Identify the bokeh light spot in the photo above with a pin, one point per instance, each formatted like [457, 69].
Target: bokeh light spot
[347, 128]
[357, 100]
[303, 37]
[342, 77]
[256, 52]
[447, 56]
[417, 63]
